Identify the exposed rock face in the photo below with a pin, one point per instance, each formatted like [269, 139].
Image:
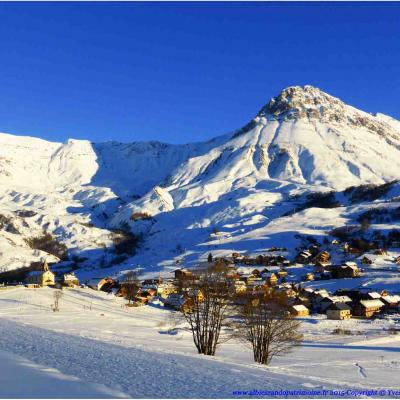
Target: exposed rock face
[311, 103]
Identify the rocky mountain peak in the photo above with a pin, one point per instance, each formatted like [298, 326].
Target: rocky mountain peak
[310, 103]
[303, 102]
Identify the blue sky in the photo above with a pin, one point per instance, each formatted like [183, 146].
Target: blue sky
[181, 72]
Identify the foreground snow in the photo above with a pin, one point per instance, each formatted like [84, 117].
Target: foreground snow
[22, 378]
[142, 352]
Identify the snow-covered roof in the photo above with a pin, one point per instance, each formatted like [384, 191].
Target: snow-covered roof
[371, 303]
[339, 299]
[300, 307]
[70, 276]
[351, 265]
[374, 295]
[391, 299]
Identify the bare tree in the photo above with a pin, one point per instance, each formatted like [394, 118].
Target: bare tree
[267, 327]
[56, 297]
[131, 285]
[206, 308]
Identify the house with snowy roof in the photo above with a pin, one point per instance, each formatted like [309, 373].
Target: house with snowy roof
[43, 277]
[299, 310]
[391, 301]
[339, 311]
[70, 279]
[368, 308]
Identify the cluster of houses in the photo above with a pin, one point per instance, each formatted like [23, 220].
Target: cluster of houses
[344, 304]
[249, 274]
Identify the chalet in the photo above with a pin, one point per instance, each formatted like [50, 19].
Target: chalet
[316, 298]
[164, 289]
[339, 311]
[174, 300]
[299, 310]
[237, 256]
[140, 300]
[319, 294]
[195, 293]
[149, 293]
[322, 258]
[104, 284]
[327, 302]
[282, 273]
[380, 252]
[152, 282]
[183, 273]
[232, 276]
[287, 290]
[309, 276]
[256, 273]
[270, 278]
[178, 301]
[247, 278]
[41, 278]
[368, 308]
[306, 293]
[348, 270]
[70, 279]
[365, 260]
[256, 284]
[238, 287]
[303, 257]
[391, 302]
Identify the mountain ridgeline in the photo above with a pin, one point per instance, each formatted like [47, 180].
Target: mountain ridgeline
[176, 203]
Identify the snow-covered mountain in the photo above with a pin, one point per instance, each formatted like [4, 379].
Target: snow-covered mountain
[234, 192]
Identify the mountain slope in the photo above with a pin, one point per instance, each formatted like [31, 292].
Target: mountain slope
[232, 192]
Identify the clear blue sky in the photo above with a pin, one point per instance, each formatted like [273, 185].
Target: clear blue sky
[180, 72]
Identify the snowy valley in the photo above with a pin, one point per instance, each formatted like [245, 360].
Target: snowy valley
[306, 193]
[243, 191]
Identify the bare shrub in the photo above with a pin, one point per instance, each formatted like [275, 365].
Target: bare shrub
[267, 327]
[130, 285]
[56, 297]
[206, 309]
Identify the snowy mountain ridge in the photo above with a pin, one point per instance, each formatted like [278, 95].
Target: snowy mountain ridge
[303, 140]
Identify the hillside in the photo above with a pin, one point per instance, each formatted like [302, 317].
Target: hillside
[243, 191]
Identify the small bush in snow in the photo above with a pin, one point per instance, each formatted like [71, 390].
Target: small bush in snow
[137, 216]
